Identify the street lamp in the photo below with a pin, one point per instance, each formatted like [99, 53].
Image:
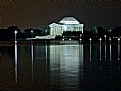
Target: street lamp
[90, 39]
[70, 39]
[118, 39]
[110, 38]
[31, 33]
[105, 37]
[100, 39]
[15, 34]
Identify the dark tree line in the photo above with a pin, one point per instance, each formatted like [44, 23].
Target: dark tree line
[100, 32]
[9, 33]
[116, 31]
[94, 33]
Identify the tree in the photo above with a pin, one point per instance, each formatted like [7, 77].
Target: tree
[11, 32]
[116, 31]
[94, 32]
[31, 33]
[101, 32]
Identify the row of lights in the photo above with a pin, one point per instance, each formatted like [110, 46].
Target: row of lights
[91, 39]
[70, 38]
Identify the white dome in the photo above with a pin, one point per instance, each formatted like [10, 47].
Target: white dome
[69, 20]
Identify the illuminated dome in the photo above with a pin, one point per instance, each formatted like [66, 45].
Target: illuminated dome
[69, 20]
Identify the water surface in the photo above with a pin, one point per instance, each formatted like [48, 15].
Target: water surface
[58, 67]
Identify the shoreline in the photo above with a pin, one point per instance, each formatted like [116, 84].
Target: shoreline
[55, 42]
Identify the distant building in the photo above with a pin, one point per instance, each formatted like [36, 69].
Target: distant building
[66, 24]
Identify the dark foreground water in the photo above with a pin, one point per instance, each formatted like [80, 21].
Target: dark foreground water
[31, 66]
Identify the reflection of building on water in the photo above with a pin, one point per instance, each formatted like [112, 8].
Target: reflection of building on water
[60, 65]
[66, 24]
[66, 61]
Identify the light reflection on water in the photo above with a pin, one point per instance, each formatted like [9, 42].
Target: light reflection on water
[118, 49]
[90, 55]
[61, 67]
[32, 57]
[65, 60]
[105, 50]
[16, 62]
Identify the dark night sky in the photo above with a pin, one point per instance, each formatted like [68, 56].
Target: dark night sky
[36, 14]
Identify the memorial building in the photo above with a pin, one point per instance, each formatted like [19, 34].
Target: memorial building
[66, 24]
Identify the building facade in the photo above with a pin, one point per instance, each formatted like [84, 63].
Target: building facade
[66, 24]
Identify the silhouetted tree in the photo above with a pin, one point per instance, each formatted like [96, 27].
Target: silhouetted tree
[86, 35]
[94, 32]
[101, 32]
[31, 33]
[11, 31]
[116, 31]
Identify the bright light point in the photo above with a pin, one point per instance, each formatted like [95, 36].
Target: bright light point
[63, 39]
[119, 39]
[31, 31]
[15, 32]
[70, 39]
[100, 39]
[90, 39]
[109, 38]
[80, 39]
[105, 36]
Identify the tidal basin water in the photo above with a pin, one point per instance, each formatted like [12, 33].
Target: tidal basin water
[30, 66]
